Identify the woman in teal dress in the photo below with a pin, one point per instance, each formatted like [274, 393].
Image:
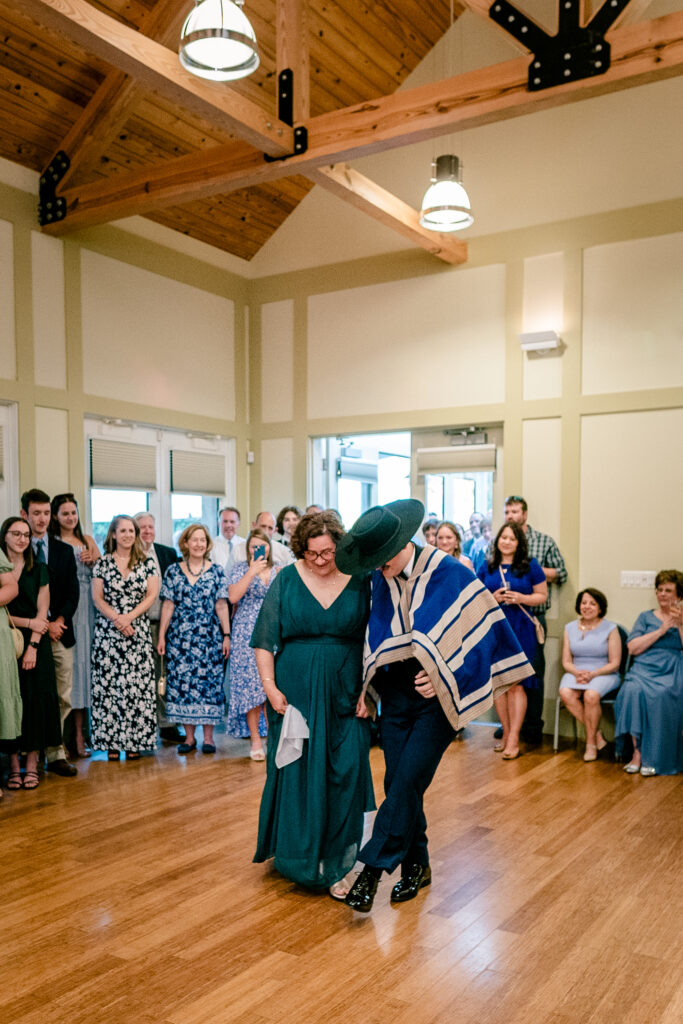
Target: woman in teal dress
[649, 706]
[308, 640]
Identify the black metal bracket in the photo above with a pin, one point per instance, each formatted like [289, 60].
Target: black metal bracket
[576, 52]
[52, 207]
[285, 113]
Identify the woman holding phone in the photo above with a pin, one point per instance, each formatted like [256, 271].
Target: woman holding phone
[248, 584]
[194, 630]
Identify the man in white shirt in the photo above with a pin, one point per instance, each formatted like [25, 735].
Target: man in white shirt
[228, 540]
[281, 555]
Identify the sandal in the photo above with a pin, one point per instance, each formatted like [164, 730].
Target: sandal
[31, 780]
[340, 890]
[14, 780]
[257, 754]
[114, 755]
[133, 755]
[499, 748]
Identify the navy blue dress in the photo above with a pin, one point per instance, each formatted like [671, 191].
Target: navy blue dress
[520, 623]
[194, 647]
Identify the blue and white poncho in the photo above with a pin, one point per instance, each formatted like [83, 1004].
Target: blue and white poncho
[443, 616]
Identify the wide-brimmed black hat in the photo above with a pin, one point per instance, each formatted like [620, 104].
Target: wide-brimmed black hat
[378, 535]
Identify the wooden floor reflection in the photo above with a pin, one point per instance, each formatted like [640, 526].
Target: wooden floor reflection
[129, 896]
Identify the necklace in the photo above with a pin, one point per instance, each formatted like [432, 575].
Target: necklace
[586, 629]
[195, 575]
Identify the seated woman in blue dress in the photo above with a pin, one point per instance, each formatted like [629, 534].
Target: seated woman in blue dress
[591, 654]
[518, 583]
[649, 707]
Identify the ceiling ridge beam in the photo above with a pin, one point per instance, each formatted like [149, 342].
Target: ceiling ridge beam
[158, 68]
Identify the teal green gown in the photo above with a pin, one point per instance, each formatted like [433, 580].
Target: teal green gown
[311, 817]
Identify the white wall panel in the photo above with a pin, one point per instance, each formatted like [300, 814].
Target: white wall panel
[631, 500]
[8, 356]
[153, 340]
[277, 473]
[49, 325]
[277, 361]
[543, 303]
[633, 315]
[430, 342]
[52, 450]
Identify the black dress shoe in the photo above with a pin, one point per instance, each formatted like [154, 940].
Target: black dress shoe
[362, 893]
[498, 733]
[62, 767]
[171, 733]
[413, 878]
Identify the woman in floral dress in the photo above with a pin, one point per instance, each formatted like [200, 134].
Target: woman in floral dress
[125, 584]
[248, 585]
[194, 632]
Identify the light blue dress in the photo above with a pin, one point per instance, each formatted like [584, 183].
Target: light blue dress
[589, 651]
[650, 703]
[246, 691]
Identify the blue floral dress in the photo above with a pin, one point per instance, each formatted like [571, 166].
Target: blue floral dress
[246, 691]
[194, 647]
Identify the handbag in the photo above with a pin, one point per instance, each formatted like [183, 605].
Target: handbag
[161, 684]
[17, 636]
[540, 632]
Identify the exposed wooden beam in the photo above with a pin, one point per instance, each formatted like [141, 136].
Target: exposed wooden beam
[108, 110]
[640, 53]
[293, 53]
[365, 195]
[157, 68]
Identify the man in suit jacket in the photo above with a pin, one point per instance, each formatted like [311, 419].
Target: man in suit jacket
[164, 556]
[64, 592]
[437, 648]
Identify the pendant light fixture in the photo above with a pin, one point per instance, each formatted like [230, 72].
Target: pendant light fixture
[217, 41]
[446, 205]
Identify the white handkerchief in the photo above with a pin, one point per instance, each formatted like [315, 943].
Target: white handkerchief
[294, 732]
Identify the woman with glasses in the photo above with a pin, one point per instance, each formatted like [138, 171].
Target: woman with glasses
[40, 721]
[65, 525]
[308, 641]
[248, 584]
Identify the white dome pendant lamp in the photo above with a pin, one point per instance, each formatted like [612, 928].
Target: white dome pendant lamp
[217, 41]
[446, 205]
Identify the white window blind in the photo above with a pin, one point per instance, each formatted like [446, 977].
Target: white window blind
[472, 458]
[122, 464]
[2, 453]
[197, 473]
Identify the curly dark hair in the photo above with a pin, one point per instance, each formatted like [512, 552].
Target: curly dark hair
[316, 524]
[279, 522]
[597, 596]
[520, 560]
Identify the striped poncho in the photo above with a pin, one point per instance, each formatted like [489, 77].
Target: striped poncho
[443, 616]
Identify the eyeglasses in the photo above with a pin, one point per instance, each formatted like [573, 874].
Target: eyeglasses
[18, 533]
[326, 555]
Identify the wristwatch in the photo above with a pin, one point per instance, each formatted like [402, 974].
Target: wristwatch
[34, 643]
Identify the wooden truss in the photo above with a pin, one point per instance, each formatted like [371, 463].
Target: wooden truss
[640, 53]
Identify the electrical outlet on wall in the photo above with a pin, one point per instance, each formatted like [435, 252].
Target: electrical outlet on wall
[644, 578]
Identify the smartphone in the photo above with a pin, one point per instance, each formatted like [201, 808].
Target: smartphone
[260, 551]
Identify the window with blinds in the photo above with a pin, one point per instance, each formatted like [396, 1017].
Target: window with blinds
[198, 473]
[123, 464]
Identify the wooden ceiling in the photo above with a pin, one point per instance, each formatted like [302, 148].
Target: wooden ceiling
[102, 82]
[358, 51]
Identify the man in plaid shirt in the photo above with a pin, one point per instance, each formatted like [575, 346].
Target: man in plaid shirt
[546, 552]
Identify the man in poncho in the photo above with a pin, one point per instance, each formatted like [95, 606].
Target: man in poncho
[437, 650]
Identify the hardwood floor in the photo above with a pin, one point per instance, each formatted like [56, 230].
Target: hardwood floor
[129, 896]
